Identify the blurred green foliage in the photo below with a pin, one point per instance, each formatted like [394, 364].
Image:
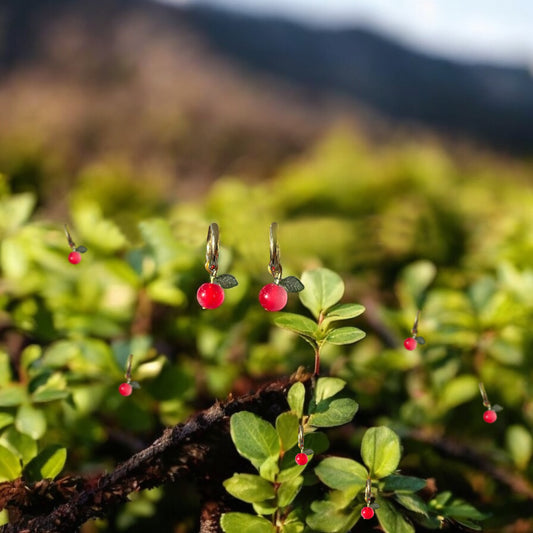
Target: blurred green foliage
[406, 227]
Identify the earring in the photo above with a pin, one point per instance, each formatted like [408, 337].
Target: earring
[211, 295]
[74, 257]
[273, 297]
[411, 342]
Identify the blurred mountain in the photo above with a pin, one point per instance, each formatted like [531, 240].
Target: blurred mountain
[108, 72]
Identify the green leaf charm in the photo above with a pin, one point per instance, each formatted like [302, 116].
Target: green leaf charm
[226, 281]
[292, 284]
[48, 464]
[243, 523]
[249, 488]
[323, 289]
[380, 450]
[254, 438]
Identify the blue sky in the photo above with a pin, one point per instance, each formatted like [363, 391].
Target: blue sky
[473, 30]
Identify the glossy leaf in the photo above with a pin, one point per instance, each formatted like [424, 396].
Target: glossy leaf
[390, 518]
[323, 289]
[333, 412]
[47, 465]
[9, 465]
[459, 390]
[342, 312]
[412, 502]
[254, 438]
[346, 335]
[297, 323]
[342, 473]
[6, 419]
[24, 447]
[381, 452]
[11, 396]
[30, 421]
[287, 428]
[288, 490]
[49, 395]
[397, 483]
[249, 488]
[326, 388]
[519, 443]
[242, 523]
[296, 398]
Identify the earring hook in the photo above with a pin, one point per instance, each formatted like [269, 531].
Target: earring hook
[368, 491]
[301, 437]
[486, 401]
[274, 266]
[414, 331]
[211, 253]
[69, 238]
[128, 368]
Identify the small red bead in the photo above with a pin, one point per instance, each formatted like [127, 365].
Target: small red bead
[301, 459]
[125, 389]
[490, 416]
[409, 343]
[210, 295]
[74, 257]
[273, 297]
[367, 512]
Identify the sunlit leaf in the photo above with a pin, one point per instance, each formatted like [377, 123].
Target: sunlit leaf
[381, 452]
[323, 289]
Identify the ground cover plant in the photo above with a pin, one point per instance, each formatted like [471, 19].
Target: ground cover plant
[209, 440]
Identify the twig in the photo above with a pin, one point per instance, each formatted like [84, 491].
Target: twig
[193, 448]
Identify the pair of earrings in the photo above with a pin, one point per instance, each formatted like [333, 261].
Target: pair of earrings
[272, 297]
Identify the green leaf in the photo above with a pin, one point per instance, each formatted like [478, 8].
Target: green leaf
[254, 438]
[459, 390]
[397, 483]
[416, 278]
[296, 398]
[327, 518]
[287, 428]
[249, 488]
[381, 452]
[326, 388]
[49, 395]
[5, 368]
[265, 508]
[11, 396]
[15, 210]
[9, 465]
[245, 523]
[342, 473]
[297, 323]
[30, 421]
[323, 289]
[47, 465]
[342, 312]
[333, 412]
[460, 509]
[21, 445]
[390, 518]
[293, 527]
[346, 335]
[413, 502]
[519, 443]
[288, 490]
[269, 468]
[6, 419]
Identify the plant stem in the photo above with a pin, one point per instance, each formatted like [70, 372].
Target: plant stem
[317, 360]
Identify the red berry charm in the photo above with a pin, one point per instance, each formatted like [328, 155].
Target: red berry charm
[210, 295]
[301, 459]
[273, 297]
[125, 389]
[490, 416]
[367, 512]
[410, 343]
[74, 257]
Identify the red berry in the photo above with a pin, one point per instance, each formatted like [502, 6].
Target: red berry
[74, 257]
[273, 297]
[490, 416]
[367, 512]
[210, 295]
[409, 343]
[301, 459]
[125, 389]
